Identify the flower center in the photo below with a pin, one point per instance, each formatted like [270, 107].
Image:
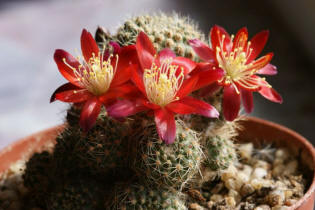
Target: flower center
[96, 74]
[238, 71]
[163, 82]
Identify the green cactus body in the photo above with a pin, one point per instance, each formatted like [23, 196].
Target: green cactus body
[172, 165]
[101, 149]
[141, 197]
[165, 31]
[220, 153]
[76, 195]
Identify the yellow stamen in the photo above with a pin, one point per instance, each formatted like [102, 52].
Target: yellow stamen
[95, 74]
[163, 82]
[237, 71]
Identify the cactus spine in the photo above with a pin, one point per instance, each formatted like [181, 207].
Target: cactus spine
[165, 31]
[171, 165]
[138, 196]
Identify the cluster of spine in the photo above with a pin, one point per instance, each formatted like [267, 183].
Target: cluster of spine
[164, 31]
[220, 153]
[168, 165]
[77, 194]
[139, 196]
[160, 170]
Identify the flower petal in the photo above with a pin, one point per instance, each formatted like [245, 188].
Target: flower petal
[240, 40]
[187, 86]
[127, 60]
[117, 92]
[231, 103]
[247, 99]
[209, 76]
[269, 69]
[261, 62]
[145, 50]
[73, 96]
[137, 79]
[210, 89]
[62, 88]
[165, 54]
[122, 75]
[62, 57]
[202, 50]
[89, 113]
[149, 105]
[88, 45]
[124, 108]
[185, 63]
[218, 35]
[257, 44]
[270, 94]
[165, 125]
[190, 105]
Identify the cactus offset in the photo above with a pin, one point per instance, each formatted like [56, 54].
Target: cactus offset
[171, 165]
[141, 197]
[220, 153]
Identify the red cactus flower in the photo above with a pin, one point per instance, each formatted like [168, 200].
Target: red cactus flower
[236, 56]
[98, 79]
[164, 85]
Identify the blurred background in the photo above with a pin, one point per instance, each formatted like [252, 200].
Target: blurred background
[31, 30]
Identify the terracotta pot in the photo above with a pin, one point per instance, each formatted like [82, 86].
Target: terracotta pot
[255, 131]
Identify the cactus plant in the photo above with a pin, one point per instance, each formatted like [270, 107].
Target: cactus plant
[139, 196]
[220, 153]
[171, 165]
[101, 149]
[78, 194]
[161, 151]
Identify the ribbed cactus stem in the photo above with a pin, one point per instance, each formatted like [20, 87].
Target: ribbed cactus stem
[171, 165]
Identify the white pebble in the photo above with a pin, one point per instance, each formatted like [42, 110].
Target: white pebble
[259, 183]
[233, 193]
[282, 153]
[278, 170]
[242, 177]
[216, 197]
[247, 170]
[262, 164]
[259, 173]
[229, 173]
[17, 168]
[280, 208]
[291, 167]
[262, 207]
[230, 201]
[246, 150]
[234, 184]
[279, 193]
